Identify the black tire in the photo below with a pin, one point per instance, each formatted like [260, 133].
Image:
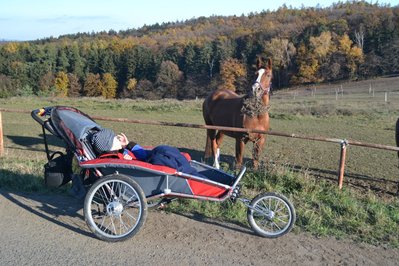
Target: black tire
[271, 215]
[115, 208]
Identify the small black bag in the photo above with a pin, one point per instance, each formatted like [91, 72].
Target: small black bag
[58, 171]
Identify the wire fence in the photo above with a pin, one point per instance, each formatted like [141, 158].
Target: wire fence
[383, 89]
[342, 142]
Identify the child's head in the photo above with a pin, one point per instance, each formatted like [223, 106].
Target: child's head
[105, 140]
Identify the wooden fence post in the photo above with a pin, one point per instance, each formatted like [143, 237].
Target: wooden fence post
[341, 171]
[1, 137]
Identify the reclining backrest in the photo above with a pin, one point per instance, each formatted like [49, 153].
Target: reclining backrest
[88, 150]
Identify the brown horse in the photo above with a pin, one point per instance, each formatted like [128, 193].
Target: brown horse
[225, 108]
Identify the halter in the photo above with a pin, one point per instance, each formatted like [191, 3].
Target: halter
[265, 90]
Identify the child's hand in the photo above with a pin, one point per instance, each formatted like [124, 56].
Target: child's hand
[123, 139]
[127, 157]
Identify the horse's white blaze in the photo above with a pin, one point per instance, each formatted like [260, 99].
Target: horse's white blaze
[260, 74]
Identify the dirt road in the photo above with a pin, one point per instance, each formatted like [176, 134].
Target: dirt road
[50, 230]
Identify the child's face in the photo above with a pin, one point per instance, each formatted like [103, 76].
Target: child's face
[116, 144]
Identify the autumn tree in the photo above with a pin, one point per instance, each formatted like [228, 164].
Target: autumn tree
[352, 53]
[93, 86]
[61, 84]
[109, 86]
[308, 66]
[46, 82]
[131, 84]
[231, 71]
[74, 86]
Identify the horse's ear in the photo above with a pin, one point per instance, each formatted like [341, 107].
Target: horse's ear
[259, 62]
[269, 63]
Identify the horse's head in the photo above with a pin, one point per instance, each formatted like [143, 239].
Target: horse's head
[264, 75]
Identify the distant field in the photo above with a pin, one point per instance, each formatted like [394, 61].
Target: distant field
[356, 116]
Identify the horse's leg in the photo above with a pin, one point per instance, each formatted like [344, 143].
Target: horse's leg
[240, 145]
[216, 148]
[210, 138]
[257, 150]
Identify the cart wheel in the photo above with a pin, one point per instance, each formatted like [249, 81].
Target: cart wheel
[115, 208]
[271, 215]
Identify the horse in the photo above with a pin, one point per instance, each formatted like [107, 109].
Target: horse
[226, 108]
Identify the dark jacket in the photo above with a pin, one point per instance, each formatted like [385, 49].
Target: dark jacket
[171, 156]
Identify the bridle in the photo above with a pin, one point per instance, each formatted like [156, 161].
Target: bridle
[257, 84]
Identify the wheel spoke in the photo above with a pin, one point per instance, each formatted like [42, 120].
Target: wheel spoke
[122, 223]
[103, 221]
[270, 215]
[104, 194]
[273, 223]
[113, 224]
[276, 205]
[261, 210]
[133, 218]
[115, 208]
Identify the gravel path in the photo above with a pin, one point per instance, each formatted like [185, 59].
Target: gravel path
[50, 230]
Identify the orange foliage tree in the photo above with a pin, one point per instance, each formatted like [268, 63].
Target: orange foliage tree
[231, 70]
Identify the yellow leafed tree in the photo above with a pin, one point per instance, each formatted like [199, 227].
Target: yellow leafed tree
[353, 54]
[61, 83]
[109, 86]
[131, 84]
[231, 70]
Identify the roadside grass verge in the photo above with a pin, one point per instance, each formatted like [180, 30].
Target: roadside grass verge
[25, 175]
[321, 208]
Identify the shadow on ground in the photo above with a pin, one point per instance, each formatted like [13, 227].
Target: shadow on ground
[45, 203]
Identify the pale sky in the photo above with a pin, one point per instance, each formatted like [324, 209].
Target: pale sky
[35, 19]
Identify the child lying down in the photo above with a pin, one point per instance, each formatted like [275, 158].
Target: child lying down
[106, 141]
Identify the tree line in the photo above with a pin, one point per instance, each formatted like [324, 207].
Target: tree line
[188, 59]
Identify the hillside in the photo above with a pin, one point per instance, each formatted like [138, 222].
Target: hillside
[187, 59]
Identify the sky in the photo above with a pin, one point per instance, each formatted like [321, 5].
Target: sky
[36, 19]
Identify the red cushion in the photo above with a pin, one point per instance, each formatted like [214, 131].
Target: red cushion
[117, 161]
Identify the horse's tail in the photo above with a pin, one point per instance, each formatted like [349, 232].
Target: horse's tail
[209, 132]
[208, 146]
[397, 134]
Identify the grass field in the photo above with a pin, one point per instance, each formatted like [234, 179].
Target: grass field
[365, 210]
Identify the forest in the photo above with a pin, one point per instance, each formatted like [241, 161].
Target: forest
[187, 59]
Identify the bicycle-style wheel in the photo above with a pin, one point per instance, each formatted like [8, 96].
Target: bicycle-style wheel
[115, 208]
[271, 215]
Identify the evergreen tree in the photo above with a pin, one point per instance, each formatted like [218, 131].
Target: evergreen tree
[62, 61]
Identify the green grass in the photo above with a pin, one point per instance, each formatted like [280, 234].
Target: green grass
[355, 212]
[321, 208]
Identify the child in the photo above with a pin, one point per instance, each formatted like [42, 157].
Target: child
[105, 141]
